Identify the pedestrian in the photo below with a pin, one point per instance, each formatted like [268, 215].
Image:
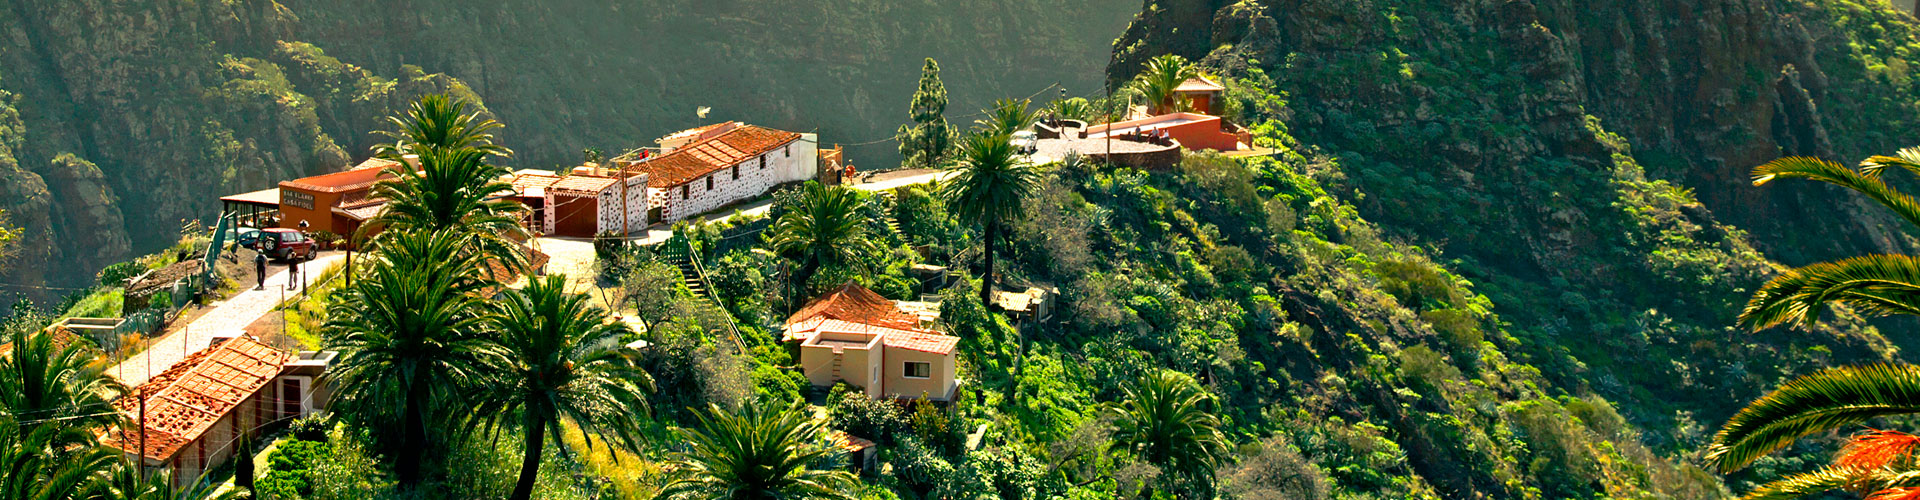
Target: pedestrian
[293, 271]
[259, 270]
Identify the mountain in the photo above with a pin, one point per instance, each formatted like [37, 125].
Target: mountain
[120, 120]
[1585, 166]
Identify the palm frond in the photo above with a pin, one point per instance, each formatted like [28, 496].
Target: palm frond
[1823, 401]
[1906, 158]
[1801, 167]
[1875, 285]
[1803, 484]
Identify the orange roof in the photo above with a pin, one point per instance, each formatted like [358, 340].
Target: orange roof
[707, 156]
[693, 131]
[336, 182]
[851, 303]
[375, 163]
[187, 399]
[848, 442]
[361, 210]
[524, 182]
[1199, 83]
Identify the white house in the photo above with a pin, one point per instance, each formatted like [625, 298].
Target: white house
[709, 167]
[582, 204]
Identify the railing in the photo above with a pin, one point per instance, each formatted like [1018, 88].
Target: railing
[220, 230]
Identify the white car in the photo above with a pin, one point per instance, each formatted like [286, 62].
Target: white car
[1026, 141]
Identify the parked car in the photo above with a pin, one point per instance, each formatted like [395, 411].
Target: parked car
[286, 244]
[1026, 141]
[246, 237]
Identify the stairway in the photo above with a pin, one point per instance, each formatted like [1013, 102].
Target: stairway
[709, 310]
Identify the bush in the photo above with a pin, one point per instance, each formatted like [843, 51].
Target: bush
[117, 275]
[314, 427]
[289, 469]
[850, 410]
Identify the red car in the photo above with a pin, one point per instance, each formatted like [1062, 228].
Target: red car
[286, 244]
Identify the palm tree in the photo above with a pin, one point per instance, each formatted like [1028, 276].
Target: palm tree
[825, 229]
[437, 121]
[41, 464]
[758, 453]
[1005, 117]
[987, 186]
[1830, 399]
[1162, 75]
[454, 189]
[44, 383]
[1165, 421]
[557, 357]
[407, 336]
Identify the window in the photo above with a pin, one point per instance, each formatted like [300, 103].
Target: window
[736, 172]
[683, 191]
[709, 183]
[763, 161]
[917, 369]
[788, 150]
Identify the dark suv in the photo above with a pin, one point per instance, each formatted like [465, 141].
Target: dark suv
[286, 244]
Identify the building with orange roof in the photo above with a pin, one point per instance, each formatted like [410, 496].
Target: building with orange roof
[338, 202]
[1201, 94]
[856, 336]
[582, 204]
[705, 168]
[196, 411]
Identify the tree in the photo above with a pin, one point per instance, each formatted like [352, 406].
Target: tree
[45, 384]
[825, 229]
[41, 464]
[1876, 285]
[1005, 117]
[758, 453]
[1162, 75]
[1165, 420]
[453, 189]
[439, 122]
[407, 336]
[926, 143]
[654, 289]
[987, 186]
[557, 358]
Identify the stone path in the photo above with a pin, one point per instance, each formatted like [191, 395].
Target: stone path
[226, 318]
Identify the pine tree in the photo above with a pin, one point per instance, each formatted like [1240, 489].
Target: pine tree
[927, 142]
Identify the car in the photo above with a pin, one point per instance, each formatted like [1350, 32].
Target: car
[246, 236]
[1026, 141]
[286, 244]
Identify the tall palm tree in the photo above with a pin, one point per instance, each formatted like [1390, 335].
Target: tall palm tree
[437, 121]
[1165, 420]
[1830, 399]
[1005, 117]
[557, 357]
[43, 383]
[41, 463]
[987, 186]
[454, 189]
[407, 336]
[759, 453]
[1162, 75]
[827, 228]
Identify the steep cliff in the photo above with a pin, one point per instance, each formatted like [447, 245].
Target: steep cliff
[1585, 165]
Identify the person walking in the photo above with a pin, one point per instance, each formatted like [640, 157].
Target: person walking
[259, 270]
[293, 272]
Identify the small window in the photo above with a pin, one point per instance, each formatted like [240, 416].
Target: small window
[683, 191]
[763, 161]
[709, 183]
[787, 150]
[736, 172]
[916, 369]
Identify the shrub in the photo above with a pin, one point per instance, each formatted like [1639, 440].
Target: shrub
[852, 411]
[117, 275]
[289, 473]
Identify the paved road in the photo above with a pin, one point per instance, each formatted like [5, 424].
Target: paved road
[226, 318]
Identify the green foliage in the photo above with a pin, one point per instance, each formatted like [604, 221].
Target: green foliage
[926, 142]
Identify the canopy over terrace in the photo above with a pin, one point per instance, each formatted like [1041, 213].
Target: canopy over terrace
[256, 209]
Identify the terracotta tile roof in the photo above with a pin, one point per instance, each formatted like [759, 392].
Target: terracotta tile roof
[584, 183]
[692, 132]
[1199, 83]
[915, 340]
[361, 210]
[375, 163]
[852, 303]
[848, 442]
[188, 398]
[351, 180]
[711, 155]
[526, 182]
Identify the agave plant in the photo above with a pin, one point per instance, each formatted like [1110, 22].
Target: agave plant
[1878, 463]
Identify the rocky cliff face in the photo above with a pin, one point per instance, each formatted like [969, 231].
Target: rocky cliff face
[1538, 143]
[125, 118]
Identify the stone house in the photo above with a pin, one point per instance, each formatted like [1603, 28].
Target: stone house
[706, 168]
